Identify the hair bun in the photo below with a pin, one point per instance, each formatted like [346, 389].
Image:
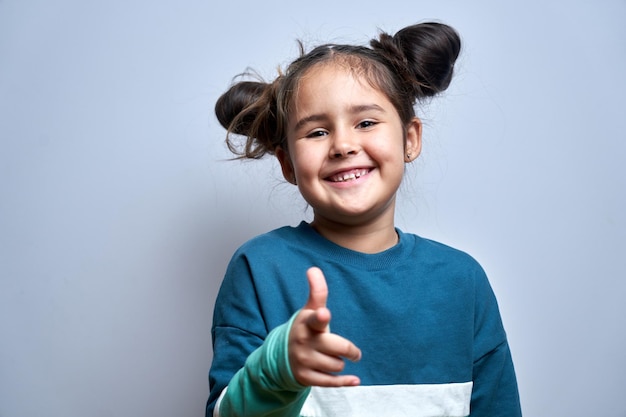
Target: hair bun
[425, 53]
[230, 107]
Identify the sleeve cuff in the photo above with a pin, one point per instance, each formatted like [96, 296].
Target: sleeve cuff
[266, 383]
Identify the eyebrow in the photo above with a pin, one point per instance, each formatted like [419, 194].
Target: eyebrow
[352, 110]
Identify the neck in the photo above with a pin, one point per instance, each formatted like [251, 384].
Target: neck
[368, 238]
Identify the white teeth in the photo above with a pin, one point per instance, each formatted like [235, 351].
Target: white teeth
[349, 176]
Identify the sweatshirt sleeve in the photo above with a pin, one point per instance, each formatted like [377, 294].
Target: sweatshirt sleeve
[495, 391]
[265, 385]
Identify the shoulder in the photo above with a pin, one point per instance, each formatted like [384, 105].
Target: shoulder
[289, 249]
[457, 270]
[448, 264]
[274, 241]
[438, 252]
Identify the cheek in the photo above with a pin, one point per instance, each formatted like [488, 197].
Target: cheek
[302, 167]
[390, 151]
[307, 159]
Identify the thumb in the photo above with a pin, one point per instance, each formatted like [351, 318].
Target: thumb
[318, 290]
[318, 294]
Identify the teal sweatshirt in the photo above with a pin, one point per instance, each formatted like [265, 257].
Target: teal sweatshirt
[423, 314]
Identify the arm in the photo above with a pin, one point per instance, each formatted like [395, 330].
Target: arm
[266, 386]
[495, 392]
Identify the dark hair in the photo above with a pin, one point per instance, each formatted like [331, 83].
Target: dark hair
[415, 63]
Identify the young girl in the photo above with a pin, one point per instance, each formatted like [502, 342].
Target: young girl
[415, 328]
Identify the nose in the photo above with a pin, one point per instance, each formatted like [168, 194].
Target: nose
[345, 143]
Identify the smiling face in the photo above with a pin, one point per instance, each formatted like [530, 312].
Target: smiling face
[346, 148]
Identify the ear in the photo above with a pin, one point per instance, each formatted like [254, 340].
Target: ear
[285, 164]
[413, 142]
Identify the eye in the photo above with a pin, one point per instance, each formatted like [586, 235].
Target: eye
[365, 124]
[316, 134]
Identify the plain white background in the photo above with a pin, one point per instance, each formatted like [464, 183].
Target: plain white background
[119, 213]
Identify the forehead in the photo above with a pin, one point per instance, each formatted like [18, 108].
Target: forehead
[335, 81]
[359, 67]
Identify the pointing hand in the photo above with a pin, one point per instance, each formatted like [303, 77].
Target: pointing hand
[315, 353]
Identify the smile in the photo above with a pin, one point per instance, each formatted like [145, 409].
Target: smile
[348, 175]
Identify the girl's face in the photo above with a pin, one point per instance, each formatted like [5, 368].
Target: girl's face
[346, 148]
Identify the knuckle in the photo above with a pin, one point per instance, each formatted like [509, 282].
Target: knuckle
[337, 366]
[346, 348]
[300, 357]
[299, 374]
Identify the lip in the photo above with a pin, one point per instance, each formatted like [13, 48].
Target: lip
[350, 175]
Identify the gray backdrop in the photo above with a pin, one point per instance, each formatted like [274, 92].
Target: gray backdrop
[118, 213]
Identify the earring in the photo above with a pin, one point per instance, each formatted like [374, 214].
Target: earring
[408, 157]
